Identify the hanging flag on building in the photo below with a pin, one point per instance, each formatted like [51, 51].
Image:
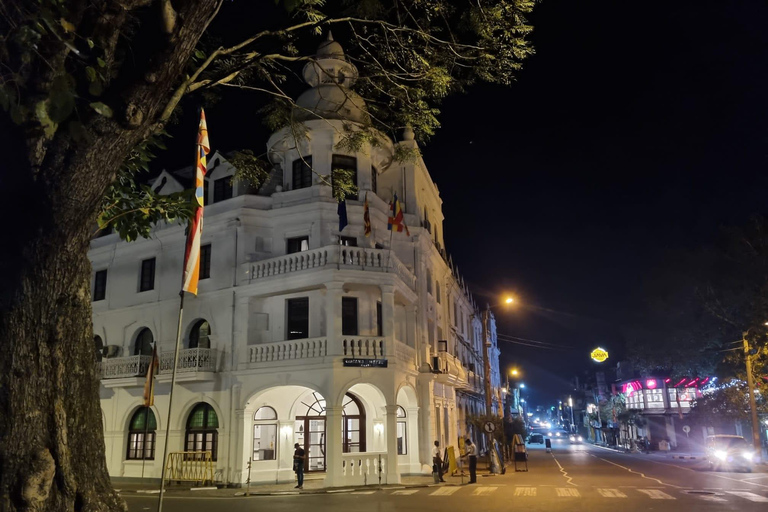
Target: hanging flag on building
[192, 253]
[366, 217]
[396, 217]
[149, 384]
[342, 211]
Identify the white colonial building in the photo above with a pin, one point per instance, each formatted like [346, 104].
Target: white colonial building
[363, 349]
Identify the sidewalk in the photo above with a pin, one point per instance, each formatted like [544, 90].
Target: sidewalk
[312, 485]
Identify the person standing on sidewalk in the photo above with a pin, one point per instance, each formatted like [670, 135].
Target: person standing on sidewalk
[472, 456]
[437, 461]
[298, 465]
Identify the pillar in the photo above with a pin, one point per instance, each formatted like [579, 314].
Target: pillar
[285, 441]
[333, 446]
[412, 423]
[332, 305]
[388, 318]
[393, 472]
[238, 462]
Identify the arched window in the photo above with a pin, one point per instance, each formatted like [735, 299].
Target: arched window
[98, 346]
[202, 433]
[265, 434]
[143, 344]
[402, 432]
[199, 336]
[141, 435]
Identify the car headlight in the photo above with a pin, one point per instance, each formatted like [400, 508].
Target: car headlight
[581, 438]
[572, 438]
[557, 434]
[720, 454]
[748, 455]
[549, 434]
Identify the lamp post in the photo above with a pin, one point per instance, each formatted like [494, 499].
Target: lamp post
[570, 404]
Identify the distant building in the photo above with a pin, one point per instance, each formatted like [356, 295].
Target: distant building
[364, 350]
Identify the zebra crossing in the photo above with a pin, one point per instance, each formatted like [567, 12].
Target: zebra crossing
[569, 493]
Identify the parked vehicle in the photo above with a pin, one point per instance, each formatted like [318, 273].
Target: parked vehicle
[730, 452]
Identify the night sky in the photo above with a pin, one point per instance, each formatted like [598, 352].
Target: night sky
[636, 129]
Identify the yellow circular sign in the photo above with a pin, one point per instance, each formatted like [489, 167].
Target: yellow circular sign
[599, 355]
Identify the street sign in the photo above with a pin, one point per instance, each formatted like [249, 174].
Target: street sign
[599, 355]
[686, 428]
[489, 427]
[365, 363]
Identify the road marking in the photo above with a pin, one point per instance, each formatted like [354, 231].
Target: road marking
[484, 491]
[564, 472]
[406, 492]
[656, 494]
[567, 492]
[749, 496]
[611, 493]
[525, 491]
[706, 497]
[636, 472]
[363, 492]
[444, 491]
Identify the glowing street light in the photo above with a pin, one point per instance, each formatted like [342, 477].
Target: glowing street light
[509, 300]
[514, 372]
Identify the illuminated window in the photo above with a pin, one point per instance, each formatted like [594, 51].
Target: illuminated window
[202, 430]
[141, 435]
[402, 432]
[265, 434]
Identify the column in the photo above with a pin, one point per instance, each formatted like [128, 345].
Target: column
[388, 318]
[412, 423]
[392, 470]
[285, 436]
[333, 446]
[238, 463]
[333, 317]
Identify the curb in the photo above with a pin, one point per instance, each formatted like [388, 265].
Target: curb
[686, 457]
[294, 492]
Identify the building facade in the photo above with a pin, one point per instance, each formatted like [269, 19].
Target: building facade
[363, 349]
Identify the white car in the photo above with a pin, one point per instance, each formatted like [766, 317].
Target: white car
[575, 439]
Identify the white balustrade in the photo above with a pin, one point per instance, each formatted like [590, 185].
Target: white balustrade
[287, 350]
[122, 367]
[364, 468]
[354, 258]
[362, 346]
[190, 360]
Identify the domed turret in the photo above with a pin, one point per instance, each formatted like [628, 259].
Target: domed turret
[330, 76]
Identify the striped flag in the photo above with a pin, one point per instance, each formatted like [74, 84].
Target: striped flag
[149, 384]
[366, 217]
[192, 253]
[396, 217]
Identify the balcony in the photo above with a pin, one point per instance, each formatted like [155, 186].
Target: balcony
[451, 370]
[332, 256]
[194, 364]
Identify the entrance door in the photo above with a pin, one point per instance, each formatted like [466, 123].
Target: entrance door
[310, 433]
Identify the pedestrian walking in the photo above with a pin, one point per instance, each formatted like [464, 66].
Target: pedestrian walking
[437, 461]
[298, 465]
[471, 450]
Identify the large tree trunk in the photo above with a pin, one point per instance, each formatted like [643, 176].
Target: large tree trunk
[51, 426]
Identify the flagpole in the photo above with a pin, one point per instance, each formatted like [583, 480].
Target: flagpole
[170, 403]
[146, 415]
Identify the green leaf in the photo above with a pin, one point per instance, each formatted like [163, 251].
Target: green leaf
[102, 109]
[67, 26]
[90, 72]
[95, 88]
[62, 99]
[200, 54]
[41, 113]
[100, 62]
[90, 43]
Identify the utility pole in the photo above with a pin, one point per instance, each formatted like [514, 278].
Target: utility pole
[487, 361]
[752, 405]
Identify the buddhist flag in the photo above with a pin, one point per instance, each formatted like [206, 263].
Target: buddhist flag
[192, 253]
[149, 384]
[396, 218]
[366, 217]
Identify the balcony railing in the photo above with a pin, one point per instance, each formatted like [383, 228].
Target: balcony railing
[452, 370]
[190, 360]
[287, 350]
[122, 367]
[351, 258]
[363, 346]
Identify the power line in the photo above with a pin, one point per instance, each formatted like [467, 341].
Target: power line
[513, 339]
[542, 347]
